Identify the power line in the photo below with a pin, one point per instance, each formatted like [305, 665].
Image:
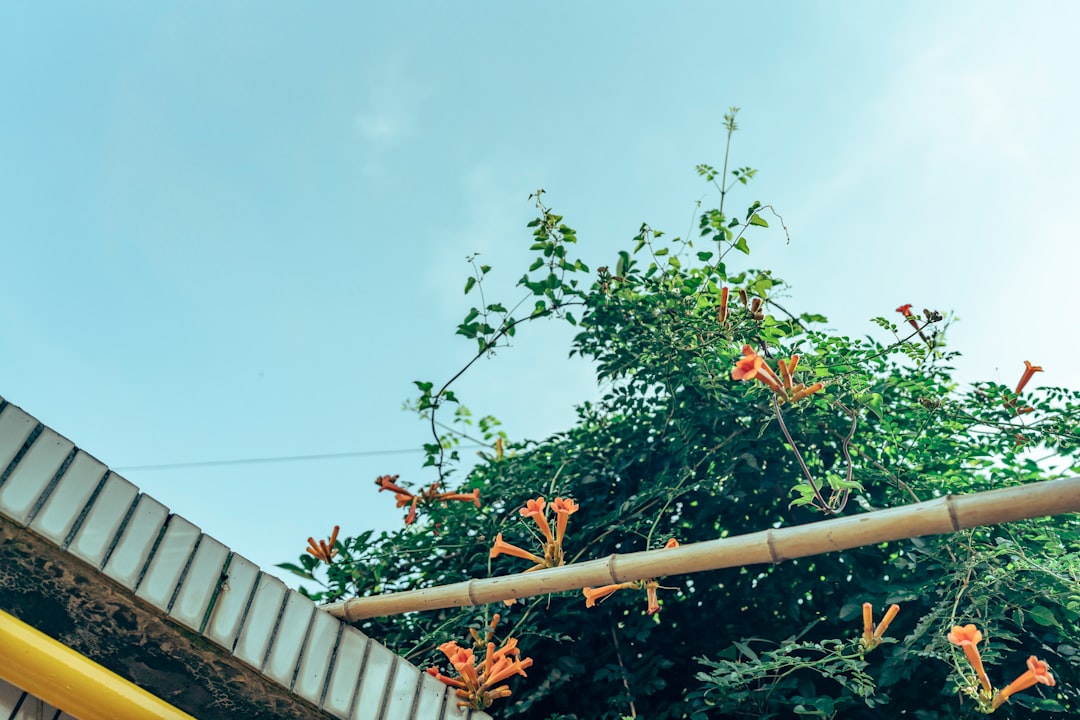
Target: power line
[280, 459]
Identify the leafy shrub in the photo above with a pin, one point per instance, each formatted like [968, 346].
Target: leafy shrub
[677, 448]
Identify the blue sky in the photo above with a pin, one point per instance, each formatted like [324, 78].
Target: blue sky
[239, 230]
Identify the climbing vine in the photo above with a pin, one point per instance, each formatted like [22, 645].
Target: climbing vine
[723, 412]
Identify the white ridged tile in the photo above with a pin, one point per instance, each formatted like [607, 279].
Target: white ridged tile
[15, 427]
[373, 684]
[202, 580]
[346, 672]
[315, 660]
[35, 709]
[162, 576]
[453, 712]
[402, 691]
[136, 541]
[260, 621]
[430, 698]
[289, 639]
[232, 600]
[68, 498]
[32, 475]
[95, 535]
[9, 697]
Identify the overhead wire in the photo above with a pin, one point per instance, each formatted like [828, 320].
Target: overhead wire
[279, 459]
[301, 458]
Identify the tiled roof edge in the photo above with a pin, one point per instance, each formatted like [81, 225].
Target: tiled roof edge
[68, 498]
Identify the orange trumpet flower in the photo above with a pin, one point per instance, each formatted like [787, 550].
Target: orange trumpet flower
[968, 637]
[477, 684]
[594, 595]
[801, 392]
[905, 310]
[867, 624]
[1038, 672]
[563, 508]
[403, 496]
[752, 366]
[553, 552]
[535, 510]
[872, 636]
[890, 615]
[1029, 371]
[323, 550]
[501, 547]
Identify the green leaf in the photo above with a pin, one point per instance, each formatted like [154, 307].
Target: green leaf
[762, 285]
[469, 284]
[704, 256]
[756, 219]
[745, 650]
[296, 570]
[805, 493]
[849, 611]
[741, 246]
[873, 401]
[1043, 616]
[838, 482]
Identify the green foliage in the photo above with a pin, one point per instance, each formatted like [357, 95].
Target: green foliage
[749, 683]
[677, 448]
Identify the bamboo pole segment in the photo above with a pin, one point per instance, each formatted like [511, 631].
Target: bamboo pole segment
[942, 515]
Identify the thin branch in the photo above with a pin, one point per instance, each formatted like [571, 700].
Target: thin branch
[618, 656]
[502, 332]
[798, 455]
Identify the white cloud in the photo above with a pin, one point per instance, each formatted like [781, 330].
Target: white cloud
[389, 111]
[960, 174]
[382, 126]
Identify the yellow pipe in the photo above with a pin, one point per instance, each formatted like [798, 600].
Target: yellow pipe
[50, 670]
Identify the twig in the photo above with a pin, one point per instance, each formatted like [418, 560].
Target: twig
[618, 656]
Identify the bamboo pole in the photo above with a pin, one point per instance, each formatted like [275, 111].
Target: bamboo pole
[947, 514]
